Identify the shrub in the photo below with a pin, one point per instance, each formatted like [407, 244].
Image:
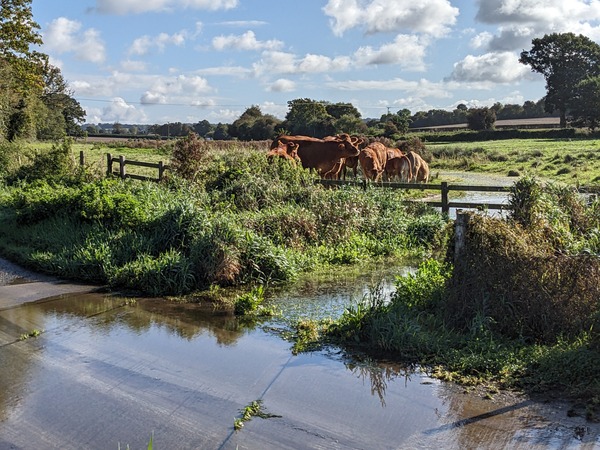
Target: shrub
[511, 276]
[188, 156]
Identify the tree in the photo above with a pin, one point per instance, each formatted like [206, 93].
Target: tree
[337, 110]
[18, 32]
[481, 118]
[586, 111]
[350, 124]
[564, 60]
[253, 125]
[203, 127]
[58, 98]
[221, 132]
[309, 117]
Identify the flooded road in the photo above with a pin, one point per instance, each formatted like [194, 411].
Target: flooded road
[108, 372]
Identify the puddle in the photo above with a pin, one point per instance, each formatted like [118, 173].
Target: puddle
[108, 372]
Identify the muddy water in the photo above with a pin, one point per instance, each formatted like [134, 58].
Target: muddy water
[108, 372]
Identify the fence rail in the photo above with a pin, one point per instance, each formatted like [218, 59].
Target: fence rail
[123, 163]
[444, 188]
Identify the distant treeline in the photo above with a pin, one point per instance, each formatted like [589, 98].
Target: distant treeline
[318, 118]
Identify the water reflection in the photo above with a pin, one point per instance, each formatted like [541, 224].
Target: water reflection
[185, 372]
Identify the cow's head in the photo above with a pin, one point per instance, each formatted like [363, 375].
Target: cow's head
[348, 149]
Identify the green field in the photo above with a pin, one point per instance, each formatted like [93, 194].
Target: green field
[570, 161]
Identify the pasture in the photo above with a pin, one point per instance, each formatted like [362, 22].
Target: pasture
[573, 161]
[570, 161]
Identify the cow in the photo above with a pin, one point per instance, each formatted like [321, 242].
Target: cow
[420, 168]
[287, 151]
[323, 155]
[398, 165]
[372, 160]
[351, 161]
[370, 163]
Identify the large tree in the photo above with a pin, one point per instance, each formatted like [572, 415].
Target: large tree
[252, 125]
[564, 60]
[309, 117]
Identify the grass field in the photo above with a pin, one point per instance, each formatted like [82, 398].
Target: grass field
[571, 161]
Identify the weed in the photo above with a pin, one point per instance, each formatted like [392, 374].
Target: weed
[253, 409]
[250, 302]
[32, 334]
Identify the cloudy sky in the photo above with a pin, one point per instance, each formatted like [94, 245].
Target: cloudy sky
[158, 61]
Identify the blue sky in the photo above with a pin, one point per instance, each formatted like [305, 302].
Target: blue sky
[158, 61]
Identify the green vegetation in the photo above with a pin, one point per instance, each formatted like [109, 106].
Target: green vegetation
[519, 309]
[573, 161]
[236, 220]
[254, 409]
[31, 334]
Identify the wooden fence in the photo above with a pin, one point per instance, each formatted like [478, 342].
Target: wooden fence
[123, 163]
[443, 188]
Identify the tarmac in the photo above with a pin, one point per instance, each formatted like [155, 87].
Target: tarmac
[19, 285]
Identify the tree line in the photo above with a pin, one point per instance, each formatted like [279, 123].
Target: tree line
[321, 118]
[35, 101]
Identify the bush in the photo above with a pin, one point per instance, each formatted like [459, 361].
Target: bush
[514, 278]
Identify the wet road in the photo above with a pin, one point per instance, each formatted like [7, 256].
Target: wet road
[108, 372]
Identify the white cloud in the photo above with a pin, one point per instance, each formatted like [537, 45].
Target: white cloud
[406, 51]
[243, 23]
[319, 63]
[65, 36]
[481, 40]
[180, 89]
[432, 17]
[144, 44]
[421, 88]
[133, 66]
[275, 62]
[282, 85]
[236, 71]
[153, 98]
[246, 41]
[502, 67]
[119, 111]
[519, 21]
[142, 6]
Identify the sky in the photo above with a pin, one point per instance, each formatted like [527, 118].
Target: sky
[159, 61]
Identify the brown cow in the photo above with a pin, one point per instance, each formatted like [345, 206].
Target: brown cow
[287, 151]
[420, 168]
[370, 163]
[398, 165]
[374, 160]
[325, 156]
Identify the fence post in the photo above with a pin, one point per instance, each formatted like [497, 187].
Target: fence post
[445, 204]
[109, 163]
[364, 184]
[460, 232]
[161, 169]
[81, 158]
[122, 172]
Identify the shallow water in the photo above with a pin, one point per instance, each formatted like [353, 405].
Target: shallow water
[108, 372]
